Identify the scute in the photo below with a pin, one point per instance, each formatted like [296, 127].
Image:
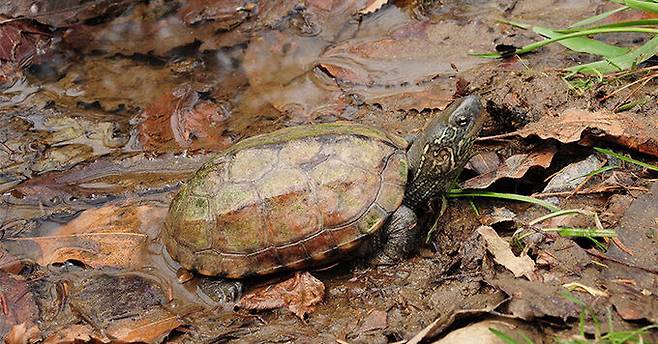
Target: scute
[289, 199]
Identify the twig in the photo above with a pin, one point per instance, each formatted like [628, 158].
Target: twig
[619, 261]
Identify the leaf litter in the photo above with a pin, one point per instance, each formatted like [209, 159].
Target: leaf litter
[112, 132]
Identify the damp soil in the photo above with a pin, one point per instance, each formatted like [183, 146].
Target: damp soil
[107, 107]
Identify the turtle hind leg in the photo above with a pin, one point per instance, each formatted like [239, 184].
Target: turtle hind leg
[220, 290]
[399, 238]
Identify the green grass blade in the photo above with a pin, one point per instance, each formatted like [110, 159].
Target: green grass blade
[623, 62]
[574, 232]
[625, 158]
[598, 17]
[629, 23]
[505, 338]
[646, 6]
[583, 44]
[536, 45]
[514, 197]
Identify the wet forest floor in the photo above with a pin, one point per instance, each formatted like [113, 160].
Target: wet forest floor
[108, 106]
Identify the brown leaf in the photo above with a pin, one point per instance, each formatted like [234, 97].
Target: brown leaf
[107, 236]
[632, 130]
[149, 328]
[299, 294]
[18, 310]
[183, 121]
[376, 320]
[503, 255]
[21, 40]
[22, 334]
[514, 167]
[373, 6]
[63, 13]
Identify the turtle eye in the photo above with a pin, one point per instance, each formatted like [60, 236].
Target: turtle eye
[461, 121]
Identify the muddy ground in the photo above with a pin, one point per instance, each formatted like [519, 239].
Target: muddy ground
[108, 106]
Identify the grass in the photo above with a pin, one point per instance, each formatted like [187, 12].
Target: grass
[576, 37]
[611, 337]
[626, 159]
[454, 193]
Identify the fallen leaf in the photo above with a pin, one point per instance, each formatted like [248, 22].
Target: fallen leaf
[151, 327]
[572, 175]
[179, 120]
[480, 332]
[22, 334]
[376, 320]
[513, 167]
[519, 266]
[108, 236]
[299, 294]
[373, 6]
[21, 40]
[484, 162]
[632, 130]
[18, 310]
[631, 305]
[531, 300]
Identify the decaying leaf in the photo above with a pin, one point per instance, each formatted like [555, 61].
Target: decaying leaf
[632, 130]
[514, 167]
[299, 294]
[108, 236]
[519, 266]
[63, 13]
[21, 40]
[180, 120]
[532, 300]
[372, 6]
[480, 332]
[18, 310]
[375, 320]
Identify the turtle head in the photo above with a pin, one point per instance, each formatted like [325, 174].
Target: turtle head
[438, 155]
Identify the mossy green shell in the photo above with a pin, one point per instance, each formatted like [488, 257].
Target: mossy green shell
[294, 198]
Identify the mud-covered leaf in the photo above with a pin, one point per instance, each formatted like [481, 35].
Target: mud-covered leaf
[21, 40]
[532, 300]
[151, 327]
[375, 320]
[632, 130]
[108, 236]
[195, 11]
[18, 310]
[180, 121]
[513, 167]
[59, 13]
[299, 294]
[500, 249]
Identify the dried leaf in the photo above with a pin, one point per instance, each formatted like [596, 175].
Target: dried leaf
[519, 266]
[634, 131]
[299, 294]
[22, 334]
[514, 167]
[373, 6]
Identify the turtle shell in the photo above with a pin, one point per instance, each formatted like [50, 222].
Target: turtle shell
[294, 198]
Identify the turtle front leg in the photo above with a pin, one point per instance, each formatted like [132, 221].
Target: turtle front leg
[400, 238]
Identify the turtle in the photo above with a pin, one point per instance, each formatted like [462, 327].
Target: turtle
[309, 195]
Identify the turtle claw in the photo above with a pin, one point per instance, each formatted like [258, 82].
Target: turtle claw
[221, 290]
